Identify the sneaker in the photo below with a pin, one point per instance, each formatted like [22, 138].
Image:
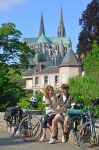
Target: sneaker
[51, 138]
[64, 138]
[52, 141]
[42, 139]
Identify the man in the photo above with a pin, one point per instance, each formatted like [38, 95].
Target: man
[64, 101]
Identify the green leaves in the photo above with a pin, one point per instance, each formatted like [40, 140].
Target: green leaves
[84, 89]
[91, 63]
[12, 49]
[90, 28]
[14, 54]
[87, 87]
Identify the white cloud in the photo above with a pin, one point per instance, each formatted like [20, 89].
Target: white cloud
[6, 4]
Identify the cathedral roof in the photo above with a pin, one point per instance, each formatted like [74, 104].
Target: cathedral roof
[70, 59]
[64, 40]
[49, 69]
[43, 39]
[30, 40]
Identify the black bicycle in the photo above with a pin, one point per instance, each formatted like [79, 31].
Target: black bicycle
[13, 117]
[87, 136]
[27, 125]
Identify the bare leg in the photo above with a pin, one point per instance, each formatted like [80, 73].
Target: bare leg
[66, 127]
[44, 132]
[55, 125]
[43, 137]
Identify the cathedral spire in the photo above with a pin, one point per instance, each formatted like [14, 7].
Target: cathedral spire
[61, 28]
[61, 17]
[41, 29]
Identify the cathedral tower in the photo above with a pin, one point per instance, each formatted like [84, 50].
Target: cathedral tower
[61, 28]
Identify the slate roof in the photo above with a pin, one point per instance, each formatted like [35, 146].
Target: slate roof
[70, 59]
[29, 73]
[49, 69]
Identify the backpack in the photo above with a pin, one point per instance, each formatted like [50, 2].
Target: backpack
[10, 112]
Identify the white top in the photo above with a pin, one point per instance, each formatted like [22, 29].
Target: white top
[64, 98]
[49, 108]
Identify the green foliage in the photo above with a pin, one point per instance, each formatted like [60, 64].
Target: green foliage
[12, 51]
[41, 107]
[84, 89]
[9, 89]
[23, 101]
[91, 63]
[90, 28]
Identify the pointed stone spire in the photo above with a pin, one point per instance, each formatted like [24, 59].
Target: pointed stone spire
[41, 29]
[61, 28]
[61, 17]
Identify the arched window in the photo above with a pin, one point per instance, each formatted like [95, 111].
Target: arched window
[65, 50]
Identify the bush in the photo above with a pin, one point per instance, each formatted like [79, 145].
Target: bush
[23, 101]
[41, 107]
[84, 89]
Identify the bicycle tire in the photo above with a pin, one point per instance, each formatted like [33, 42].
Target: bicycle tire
[30, 128]
[85, 139]
[11, 129]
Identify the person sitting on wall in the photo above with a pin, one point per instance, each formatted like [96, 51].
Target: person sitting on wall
[64, 101]
[49, 102]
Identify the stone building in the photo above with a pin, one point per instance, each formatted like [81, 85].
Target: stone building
[60, 62]
[53, 75]
[53, 49]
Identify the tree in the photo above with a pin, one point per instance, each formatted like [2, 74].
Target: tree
[12, 50]
[91, 63]
[13, 53]
[90, 28]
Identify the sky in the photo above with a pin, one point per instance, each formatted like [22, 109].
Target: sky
[25, 14]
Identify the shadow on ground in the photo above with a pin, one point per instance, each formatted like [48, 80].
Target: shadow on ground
[5, 141]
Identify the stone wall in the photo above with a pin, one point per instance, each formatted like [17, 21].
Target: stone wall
[71, 136]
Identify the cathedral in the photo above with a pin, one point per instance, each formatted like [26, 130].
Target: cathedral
[50, 49]
[54, 62]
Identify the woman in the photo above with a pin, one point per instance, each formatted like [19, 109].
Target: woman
[49, 102]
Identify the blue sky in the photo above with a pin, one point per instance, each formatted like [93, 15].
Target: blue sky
[25, 14]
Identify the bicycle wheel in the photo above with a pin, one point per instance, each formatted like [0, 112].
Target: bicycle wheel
[30, 128]
[11, 128]
[86, 136]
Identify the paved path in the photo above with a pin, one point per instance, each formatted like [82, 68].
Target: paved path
[7, 143]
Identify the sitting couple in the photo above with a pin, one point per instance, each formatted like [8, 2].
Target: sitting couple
[55, 106]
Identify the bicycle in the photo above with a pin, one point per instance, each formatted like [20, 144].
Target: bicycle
[27, 125]
[86, 136]
[13, 116]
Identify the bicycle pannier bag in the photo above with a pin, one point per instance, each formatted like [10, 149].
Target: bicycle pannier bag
[10, 112]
